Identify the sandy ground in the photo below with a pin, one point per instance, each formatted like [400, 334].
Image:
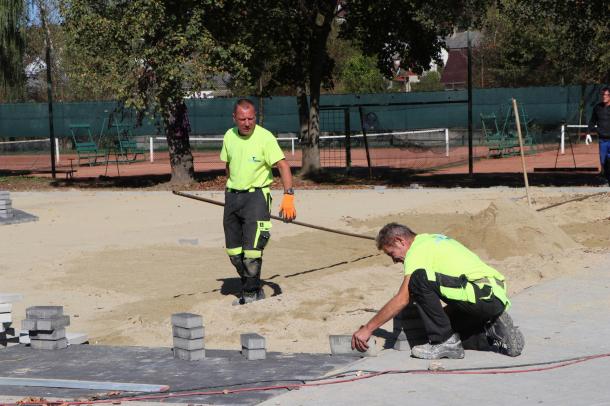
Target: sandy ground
[122, 262]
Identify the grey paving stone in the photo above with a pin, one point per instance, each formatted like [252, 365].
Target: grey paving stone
[6, 213]
[187, 320]
[185, 344]
[29, 324]
[252, 341]
[254, 354]
[342, 345]
[6, 204]
[48, 335]
[77, 338]
[44, 312]
[6, 317]
[10, 297]
[187, 355]
[49, 344]
[51, 323]
[8, 341]
[188, 333]
[6, 307]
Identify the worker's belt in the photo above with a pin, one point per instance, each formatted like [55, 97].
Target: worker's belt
[252, 189]
[489, 281]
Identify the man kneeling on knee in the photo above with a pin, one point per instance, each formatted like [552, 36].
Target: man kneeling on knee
[438, 268]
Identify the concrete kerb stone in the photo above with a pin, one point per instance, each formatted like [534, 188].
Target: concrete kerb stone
[254, 354]
[44, 312]
[188, 333]
[6, 307]
[252, 341]
[45, 324]
[49, 344]
[6, 317]
[186, 355]
[187, 320]
[342, 345]
[190, 345]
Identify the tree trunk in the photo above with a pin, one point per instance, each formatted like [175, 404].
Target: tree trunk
[177, 129]
[311, 148]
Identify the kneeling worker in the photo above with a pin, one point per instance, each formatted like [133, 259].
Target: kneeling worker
[439, 268]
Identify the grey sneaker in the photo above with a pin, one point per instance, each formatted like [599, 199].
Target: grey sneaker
[249, 297]
[504, 336]
[451, 348]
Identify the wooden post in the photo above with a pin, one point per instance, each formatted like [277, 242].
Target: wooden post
[518, 123]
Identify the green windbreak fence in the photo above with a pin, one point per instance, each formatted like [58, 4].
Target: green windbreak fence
[546, 106]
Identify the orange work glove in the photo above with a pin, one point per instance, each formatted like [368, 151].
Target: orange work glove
[287, 210]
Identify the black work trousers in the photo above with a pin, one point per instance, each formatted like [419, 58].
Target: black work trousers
[466, 318]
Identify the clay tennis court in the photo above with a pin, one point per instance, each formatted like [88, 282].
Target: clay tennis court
[431, 161]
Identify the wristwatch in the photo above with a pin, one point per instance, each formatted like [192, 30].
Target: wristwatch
[289, 191]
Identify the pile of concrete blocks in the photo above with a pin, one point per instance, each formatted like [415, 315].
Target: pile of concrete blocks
[409, 329]
[6, 206]
[8, 335]
[253, 346]
[189, 333]
[342, 345]
[47, 327]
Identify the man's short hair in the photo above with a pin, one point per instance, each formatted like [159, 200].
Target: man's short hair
[390, 231]
[605, 89]
[244, 104]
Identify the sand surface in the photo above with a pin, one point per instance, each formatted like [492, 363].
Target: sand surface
[122, 262]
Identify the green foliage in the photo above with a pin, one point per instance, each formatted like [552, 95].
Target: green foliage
[430, 82]
[361, 75]
[409, 29]
[534, 43]
[13, 20]
[149, 53]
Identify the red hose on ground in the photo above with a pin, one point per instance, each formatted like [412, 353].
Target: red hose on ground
[323, 383]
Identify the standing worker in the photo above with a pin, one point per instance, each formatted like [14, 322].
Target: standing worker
[438, 268]
[600, 123]
[250, 152]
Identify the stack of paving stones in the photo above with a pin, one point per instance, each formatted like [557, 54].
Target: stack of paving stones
[8, 335]
[47, 327]
[253, 346]
[188, 332]
[6, 206]
[409, 329]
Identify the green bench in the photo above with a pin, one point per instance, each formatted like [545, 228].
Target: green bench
[497, 141]
[86, 148]
[126, 143]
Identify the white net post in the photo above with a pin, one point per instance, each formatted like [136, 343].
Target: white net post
[57, 150]
[562, 142]
[151, 143]
[446, 142]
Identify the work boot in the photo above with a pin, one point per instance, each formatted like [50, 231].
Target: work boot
[249, 297]
[504, 336]
[451, 348]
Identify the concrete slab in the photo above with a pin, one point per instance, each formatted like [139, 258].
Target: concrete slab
[188, 333]
[6, 307]
[189, 355]
[187, 320]
[48, 344]
[44, 312]
[342, 345]
[186, 344]
[252, 341]
[18, 217]
[51, 323]
[254, 354]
